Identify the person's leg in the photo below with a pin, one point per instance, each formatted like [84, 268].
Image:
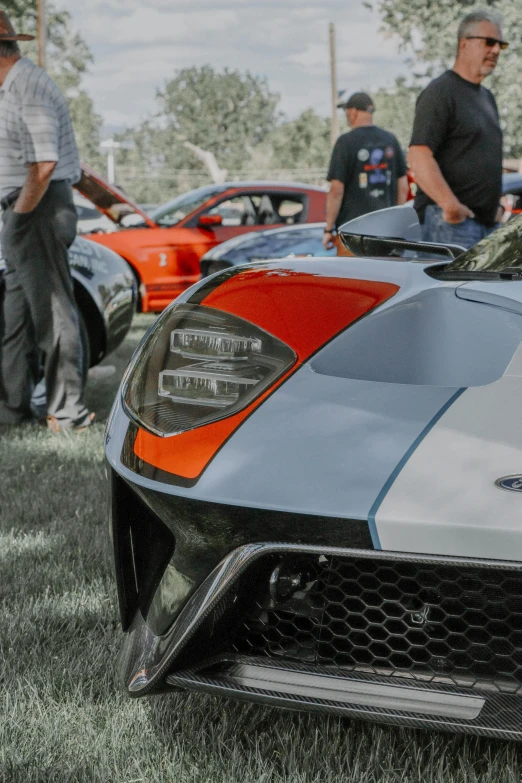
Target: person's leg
[435, 229]
[64, 370]
[38, 241]
[18, 355]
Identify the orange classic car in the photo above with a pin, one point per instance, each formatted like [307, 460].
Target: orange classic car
[163, 248]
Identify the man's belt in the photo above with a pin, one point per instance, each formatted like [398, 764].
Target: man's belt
[10, 199]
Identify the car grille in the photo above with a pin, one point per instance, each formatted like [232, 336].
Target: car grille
[434, 621]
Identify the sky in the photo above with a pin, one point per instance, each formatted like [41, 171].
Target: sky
[137, 46]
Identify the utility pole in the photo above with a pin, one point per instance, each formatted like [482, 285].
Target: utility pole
[335, 116]
[110, 145]
[42, 33]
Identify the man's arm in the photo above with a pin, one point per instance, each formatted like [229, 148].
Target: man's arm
[428, 177]
[402, 190]
[35, 185]
[333, 205]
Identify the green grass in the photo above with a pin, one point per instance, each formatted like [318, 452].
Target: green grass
[63, 717]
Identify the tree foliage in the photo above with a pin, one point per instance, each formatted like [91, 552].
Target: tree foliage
[303, 143]
[227, 113]
[427, 31]
[395, 109]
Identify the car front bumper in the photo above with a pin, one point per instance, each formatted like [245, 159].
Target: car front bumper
[295, 621]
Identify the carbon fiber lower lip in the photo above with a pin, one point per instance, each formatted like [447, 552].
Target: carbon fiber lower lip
[230, 677]
[262, 679]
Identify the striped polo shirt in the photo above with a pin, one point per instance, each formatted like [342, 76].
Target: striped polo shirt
[35, 126]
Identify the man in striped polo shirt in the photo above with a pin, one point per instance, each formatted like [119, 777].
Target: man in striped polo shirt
[38, 165]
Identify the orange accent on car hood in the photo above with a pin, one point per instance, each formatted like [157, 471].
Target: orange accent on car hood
[303, 310]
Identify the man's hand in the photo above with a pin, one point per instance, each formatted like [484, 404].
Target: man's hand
[334, 200]
[455, 212]
[328, 242]
[428, 177]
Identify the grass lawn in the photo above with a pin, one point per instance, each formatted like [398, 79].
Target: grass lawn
[62, 716]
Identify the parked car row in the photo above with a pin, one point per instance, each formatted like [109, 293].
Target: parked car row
[145, 256]
[211, 228]
[163, 248]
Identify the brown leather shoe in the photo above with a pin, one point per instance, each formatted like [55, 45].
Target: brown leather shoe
[54, 425]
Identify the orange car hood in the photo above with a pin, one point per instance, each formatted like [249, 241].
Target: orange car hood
[108, 198]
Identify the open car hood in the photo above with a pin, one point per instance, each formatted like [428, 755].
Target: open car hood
[108, 198]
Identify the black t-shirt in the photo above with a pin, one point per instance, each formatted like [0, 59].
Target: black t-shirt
[458, 121]
[368, 161]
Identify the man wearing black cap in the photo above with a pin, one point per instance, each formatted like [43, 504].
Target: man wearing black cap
[367, 169]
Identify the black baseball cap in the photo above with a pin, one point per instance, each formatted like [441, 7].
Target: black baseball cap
[359, 100]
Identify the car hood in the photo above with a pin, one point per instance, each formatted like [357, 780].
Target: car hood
[109, 199]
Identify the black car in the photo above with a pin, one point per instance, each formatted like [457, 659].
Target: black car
[105, 293]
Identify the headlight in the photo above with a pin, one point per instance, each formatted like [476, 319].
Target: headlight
[198, 365]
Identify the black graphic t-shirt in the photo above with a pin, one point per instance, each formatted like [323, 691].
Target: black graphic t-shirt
[368, 161]
[458, 121]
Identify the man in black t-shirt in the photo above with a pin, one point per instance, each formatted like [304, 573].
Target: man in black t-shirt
[456, 145]
[367, 169]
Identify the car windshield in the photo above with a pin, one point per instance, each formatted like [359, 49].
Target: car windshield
[173, 211]
[498, 251]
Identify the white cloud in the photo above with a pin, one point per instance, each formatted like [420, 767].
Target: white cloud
[138, 47]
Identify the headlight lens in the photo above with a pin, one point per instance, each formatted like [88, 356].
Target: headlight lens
[199, 365]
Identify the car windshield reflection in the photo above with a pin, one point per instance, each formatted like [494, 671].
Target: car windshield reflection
[174, 211]
[500, 250]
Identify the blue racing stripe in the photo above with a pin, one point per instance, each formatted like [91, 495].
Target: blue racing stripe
[416, 443]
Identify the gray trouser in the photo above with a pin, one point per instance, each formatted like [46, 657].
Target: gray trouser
[40, 313]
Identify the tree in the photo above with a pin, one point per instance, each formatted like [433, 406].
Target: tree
[427, 30]
[301, 143]
[68, 58]
[226, 113]
[206, 122]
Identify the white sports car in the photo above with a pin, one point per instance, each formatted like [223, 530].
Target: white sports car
[316, 478]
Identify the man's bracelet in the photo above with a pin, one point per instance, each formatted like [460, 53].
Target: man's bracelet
[329, 231]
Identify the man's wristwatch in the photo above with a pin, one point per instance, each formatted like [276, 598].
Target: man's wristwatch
[329, 231]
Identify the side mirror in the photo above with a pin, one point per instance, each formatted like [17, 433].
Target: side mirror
[208, 221]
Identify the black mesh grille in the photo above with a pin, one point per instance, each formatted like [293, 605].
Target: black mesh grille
[456, 623]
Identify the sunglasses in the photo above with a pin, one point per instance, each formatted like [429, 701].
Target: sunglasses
[489, 41]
